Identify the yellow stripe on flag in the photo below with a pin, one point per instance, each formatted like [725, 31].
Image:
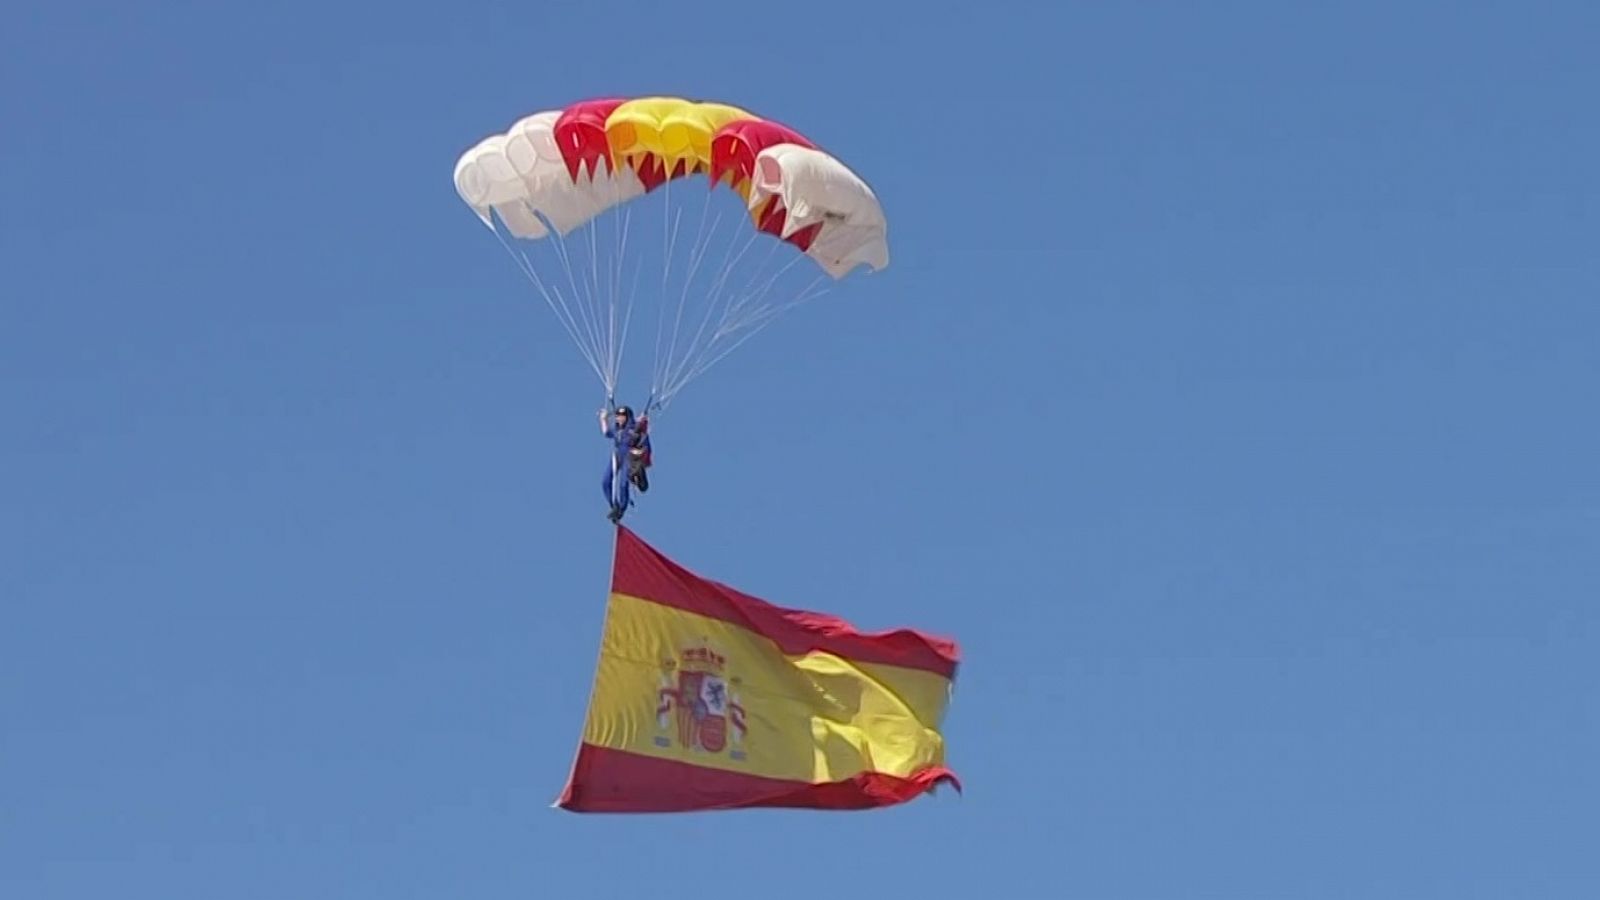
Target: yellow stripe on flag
[815, 718]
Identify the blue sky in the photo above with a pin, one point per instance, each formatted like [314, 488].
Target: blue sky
[1230, 398]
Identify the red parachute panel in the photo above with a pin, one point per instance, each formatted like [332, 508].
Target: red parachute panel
[581, 134]
[736, 145]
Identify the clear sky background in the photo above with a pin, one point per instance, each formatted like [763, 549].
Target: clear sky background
[1231, 397]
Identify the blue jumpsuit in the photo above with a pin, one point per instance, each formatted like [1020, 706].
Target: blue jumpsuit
[622, 441]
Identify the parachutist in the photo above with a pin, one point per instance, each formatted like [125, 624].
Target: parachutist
[630, 455]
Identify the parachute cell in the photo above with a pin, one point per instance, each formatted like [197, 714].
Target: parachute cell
[816, 191]
[733, 151]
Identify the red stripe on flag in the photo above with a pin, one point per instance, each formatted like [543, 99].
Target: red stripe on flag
[642, 571]
[606, 780]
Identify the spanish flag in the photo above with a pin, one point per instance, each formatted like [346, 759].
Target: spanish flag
[706, 698]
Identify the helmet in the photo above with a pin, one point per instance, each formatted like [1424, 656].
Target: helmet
[625, 411]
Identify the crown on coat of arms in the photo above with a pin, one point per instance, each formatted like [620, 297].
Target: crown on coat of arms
[702, 658]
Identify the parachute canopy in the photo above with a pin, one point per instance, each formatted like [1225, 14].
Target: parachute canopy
[557, 174]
